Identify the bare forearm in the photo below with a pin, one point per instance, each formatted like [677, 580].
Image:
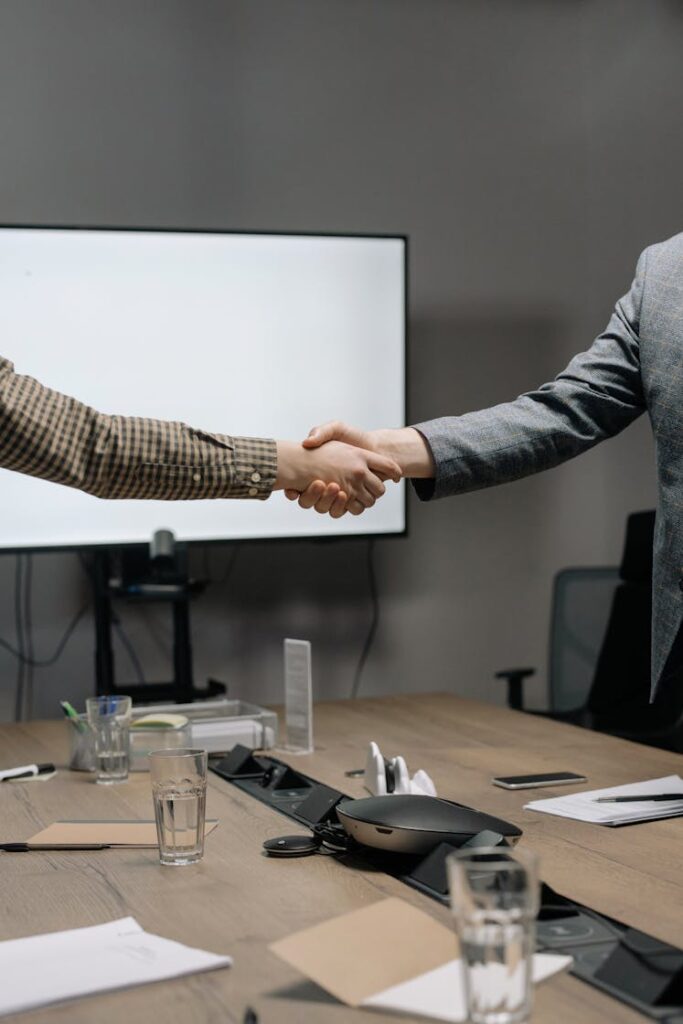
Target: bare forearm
[289, 466]
[408, 448]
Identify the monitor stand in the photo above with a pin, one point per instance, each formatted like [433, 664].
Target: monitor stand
[131, 575]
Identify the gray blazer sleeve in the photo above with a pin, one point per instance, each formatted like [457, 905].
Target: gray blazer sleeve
[595, 397]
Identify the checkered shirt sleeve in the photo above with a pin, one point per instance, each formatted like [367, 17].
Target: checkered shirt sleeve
[48, 435]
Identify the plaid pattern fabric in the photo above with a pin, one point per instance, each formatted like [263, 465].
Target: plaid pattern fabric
[49, 435]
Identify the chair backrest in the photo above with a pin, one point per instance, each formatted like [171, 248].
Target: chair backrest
[582, 601]
[620, 695]
[600, 634]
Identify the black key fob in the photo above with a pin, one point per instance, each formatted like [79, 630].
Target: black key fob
[291, 846]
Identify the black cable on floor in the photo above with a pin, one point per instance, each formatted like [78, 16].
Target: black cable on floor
[374, 621]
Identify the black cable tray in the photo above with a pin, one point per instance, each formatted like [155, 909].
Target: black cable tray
[623, 962]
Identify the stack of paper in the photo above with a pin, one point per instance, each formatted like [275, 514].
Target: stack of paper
[45, 969]
[583, 806]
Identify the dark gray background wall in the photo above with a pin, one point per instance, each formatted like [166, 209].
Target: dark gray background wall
[530, 148]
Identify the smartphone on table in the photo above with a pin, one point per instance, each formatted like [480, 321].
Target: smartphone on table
[537, 781]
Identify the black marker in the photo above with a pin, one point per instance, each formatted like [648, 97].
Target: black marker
[26, 771]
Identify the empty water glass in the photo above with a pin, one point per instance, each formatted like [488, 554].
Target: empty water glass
[179, 793]
[495, 900]
[109, 718]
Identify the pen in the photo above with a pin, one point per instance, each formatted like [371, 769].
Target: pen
[633, 799]
[26, 771]
[27, 848]
[73, 716]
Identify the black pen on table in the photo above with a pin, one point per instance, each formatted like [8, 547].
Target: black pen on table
[635, 799]
[26, 771]
[28, 848]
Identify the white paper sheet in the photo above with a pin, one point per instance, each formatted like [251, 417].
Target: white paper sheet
[583, 806]
[439, 993]
[45, 969]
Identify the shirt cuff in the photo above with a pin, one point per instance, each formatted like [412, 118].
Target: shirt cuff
[254, 467]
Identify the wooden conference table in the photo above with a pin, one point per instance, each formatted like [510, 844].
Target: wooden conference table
[237, 901]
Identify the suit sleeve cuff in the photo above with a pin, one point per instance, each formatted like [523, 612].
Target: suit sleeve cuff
[432, 487]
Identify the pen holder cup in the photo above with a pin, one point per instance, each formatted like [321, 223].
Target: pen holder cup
[82, 756]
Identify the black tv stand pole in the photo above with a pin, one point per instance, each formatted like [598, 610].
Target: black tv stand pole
[131, 575]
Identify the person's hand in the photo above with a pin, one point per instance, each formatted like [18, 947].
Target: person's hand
[337, 430]
[330, 498]
[324, 498]
[405, 445]
[337, 469]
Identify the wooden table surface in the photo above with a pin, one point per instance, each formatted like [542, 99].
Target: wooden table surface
[237, 901]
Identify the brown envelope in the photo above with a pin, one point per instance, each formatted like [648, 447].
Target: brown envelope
[366, 951]
[138, 834]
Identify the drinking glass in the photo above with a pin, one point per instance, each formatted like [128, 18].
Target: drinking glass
[109, 719]
[495, 900]
[179, 792]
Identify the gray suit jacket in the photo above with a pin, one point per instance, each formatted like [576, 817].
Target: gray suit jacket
[636, 364]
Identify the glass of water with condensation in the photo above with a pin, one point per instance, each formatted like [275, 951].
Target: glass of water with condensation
[495, 900]
[179, 792]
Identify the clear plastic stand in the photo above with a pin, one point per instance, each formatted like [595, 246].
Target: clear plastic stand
[298, 697]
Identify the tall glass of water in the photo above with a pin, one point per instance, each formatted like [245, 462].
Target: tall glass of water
[179, 792]
[109, 718]
[495, 900]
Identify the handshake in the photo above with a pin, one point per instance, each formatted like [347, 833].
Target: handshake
[340, 469]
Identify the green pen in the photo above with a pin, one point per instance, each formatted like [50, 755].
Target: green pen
[71, 713]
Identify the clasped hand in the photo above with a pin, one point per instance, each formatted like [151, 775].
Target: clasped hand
[337, 469]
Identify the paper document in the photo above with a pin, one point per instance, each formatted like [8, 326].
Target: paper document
[50, 968]
[583, 806]
[439, 993]
[392, 956]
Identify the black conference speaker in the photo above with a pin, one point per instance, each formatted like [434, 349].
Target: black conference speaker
[417, 824]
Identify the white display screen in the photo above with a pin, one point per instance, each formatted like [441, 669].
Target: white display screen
[254, 335]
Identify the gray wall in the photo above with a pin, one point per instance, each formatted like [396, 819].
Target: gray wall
[530, 149]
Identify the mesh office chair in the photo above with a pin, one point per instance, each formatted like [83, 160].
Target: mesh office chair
[599, 664]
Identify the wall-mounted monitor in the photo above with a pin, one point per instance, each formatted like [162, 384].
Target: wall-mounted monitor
[252, 334]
